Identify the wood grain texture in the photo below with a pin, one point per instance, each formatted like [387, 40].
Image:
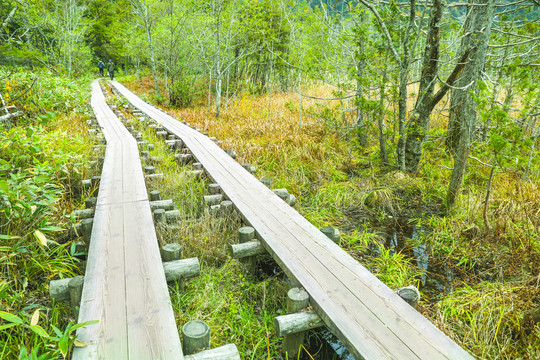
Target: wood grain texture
[125, 287]
[368, 317]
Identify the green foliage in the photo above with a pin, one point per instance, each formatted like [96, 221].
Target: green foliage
[41, 161]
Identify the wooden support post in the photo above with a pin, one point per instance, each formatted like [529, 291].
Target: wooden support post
[410, 294]
[145, 154]
[153, 176]
[155, 195]
[297, 299]
[159, 215]
[295, 324]
[75, 293]
[197, 166]
[183, 158]
[246, 234]
[59, 290]
[90, 202]
[171, 252]
[151, 147]
[95, 180]
[86, 230]
[267, 182]
[246, 249]
[198, 174]
[162, 134]
[215, 209]
[227, 207]
[210, 200]
[332, 233]
[143, 145]
[82, 214]
[86, 184]
[181, 269]
[225, 352]
[231, 153]
[162, 204]
[173, 216]
[195, 336]
[150, 170]
[214, 189]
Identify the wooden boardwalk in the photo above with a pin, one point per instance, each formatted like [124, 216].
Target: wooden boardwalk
[368, 317]
[124, 286]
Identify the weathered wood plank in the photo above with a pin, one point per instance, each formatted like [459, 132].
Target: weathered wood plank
[125, 287]
[151, 326]
[103, 296]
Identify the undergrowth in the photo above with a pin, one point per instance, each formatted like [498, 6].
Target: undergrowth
[42, 161]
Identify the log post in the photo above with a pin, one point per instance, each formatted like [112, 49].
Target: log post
[246, 249]
[196, 337]
[75, 293]
[155, 195]
[410, 294]
[225, 352]
[297, 299]
[173, 216]
[181, 269]
[86, 227]
[82, 214]
[90, 202]
[197, 166]
[267, 182]
[214, 189]
[332, 233]
[246, 234]
[227, 207]
[159, 215]
[171, 252]
[210, 200]
[162, 204]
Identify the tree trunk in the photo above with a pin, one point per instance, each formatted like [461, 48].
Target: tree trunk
[151, 49]
[419, 120]
[380, 119]
[360, 124]
[403, 79]
[462, 105]
[218, 65]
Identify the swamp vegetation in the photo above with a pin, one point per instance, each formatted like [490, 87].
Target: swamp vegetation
[412, 127]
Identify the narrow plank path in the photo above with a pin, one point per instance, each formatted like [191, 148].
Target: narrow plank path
[368, 317]
[124, 286]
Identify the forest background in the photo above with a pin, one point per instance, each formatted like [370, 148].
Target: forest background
[412, 126]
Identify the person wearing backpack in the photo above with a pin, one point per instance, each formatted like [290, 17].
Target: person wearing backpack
[111, 68]
[101, 66]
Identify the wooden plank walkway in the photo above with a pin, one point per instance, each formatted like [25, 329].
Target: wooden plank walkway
[124, 286]
[368, 317]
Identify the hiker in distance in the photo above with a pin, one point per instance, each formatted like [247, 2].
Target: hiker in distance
[111, 68]
[101, 66]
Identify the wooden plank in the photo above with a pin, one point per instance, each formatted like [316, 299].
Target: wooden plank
[125, 287]
[152, 329]
[371, 320]
[103, 296]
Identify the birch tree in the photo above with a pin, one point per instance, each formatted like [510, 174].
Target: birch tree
[146, 12]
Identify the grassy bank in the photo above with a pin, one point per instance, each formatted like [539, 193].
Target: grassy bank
[42, 161]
